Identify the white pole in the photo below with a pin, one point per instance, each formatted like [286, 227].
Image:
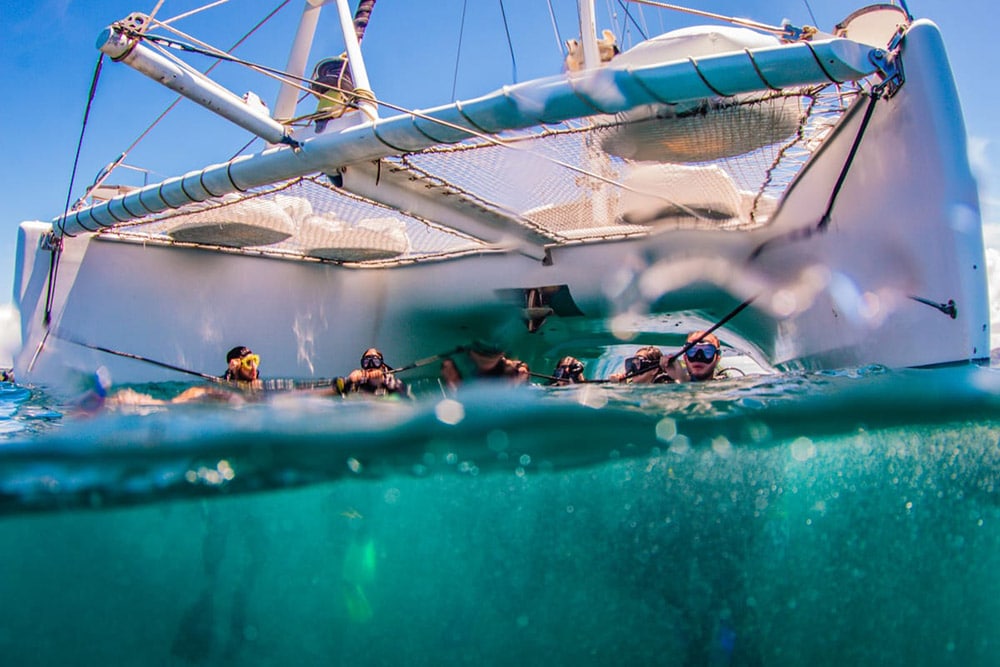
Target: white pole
[588, 34]
[284, 107]
[357, 63]
[192, 84]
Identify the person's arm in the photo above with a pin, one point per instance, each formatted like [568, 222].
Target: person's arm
[355, 379]
[522, 373]
[209, 393]
[393, 384]
[676, 370]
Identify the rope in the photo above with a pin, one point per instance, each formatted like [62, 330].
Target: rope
[177, 101]
[83, 129]
[560, 44]
[810, 10]
[458, 55]
[56, 243]
[510, 43]
[185, 15]
[630, 18]
[824, 220]
[747, 23]
[278, 74]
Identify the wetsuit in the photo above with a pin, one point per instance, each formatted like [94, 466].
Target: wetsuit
[390, 385]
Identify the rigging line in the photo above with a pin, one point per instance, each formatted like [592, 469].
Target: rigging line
[484, 137]
[165, 44]
[177, 101]
[193, 12]
[205, 49]
[152, 14]
[56, 243]
[629, 17]
[643, 21]
[458, 54]
[720, 17]
[510, 43]
[824, 221]
[555, 28]
[50, 290]
[505, 144]
[811, 15]
[281, 76]
[83, 130]
[245, 146]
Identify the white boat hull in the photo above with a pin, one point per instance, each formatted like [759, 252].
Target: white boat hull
[905, 230]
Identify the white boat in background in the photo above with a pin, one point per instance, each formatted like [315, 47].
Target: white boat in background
[810, 192]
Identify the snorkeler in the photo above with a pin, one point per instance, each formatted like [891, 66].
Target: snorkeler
[451, 377]
[242, 372]
[700, 361]
[374, 376]
[568, 371]
[242, 365]
[643, 368]
[492, 363]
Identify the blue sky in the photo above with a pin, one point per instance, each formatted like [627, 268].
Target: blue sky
[411, 48]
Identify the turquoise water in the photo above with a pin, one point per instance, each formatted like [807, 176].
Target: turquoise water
[841, 518]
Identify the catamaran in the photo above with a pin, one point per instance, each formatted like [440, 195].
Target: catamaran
[806, 194]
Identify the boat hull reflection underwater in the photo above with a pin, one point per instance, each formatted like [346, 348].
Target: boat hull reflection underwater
[825, 182]
[775, 520]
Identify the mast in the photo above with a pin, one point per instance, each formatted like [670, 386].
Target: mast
[353, 30]
[284, 107]
[588, 34]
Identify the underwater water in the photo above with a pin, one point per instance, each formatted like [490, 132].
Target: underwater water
[837, 518]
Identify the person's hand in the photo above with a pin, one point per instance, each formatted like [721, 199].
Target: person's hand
[523, 374]
[676, 370]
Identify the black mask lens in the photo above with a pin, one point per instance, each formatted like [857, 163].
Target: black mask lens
[703, 352]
